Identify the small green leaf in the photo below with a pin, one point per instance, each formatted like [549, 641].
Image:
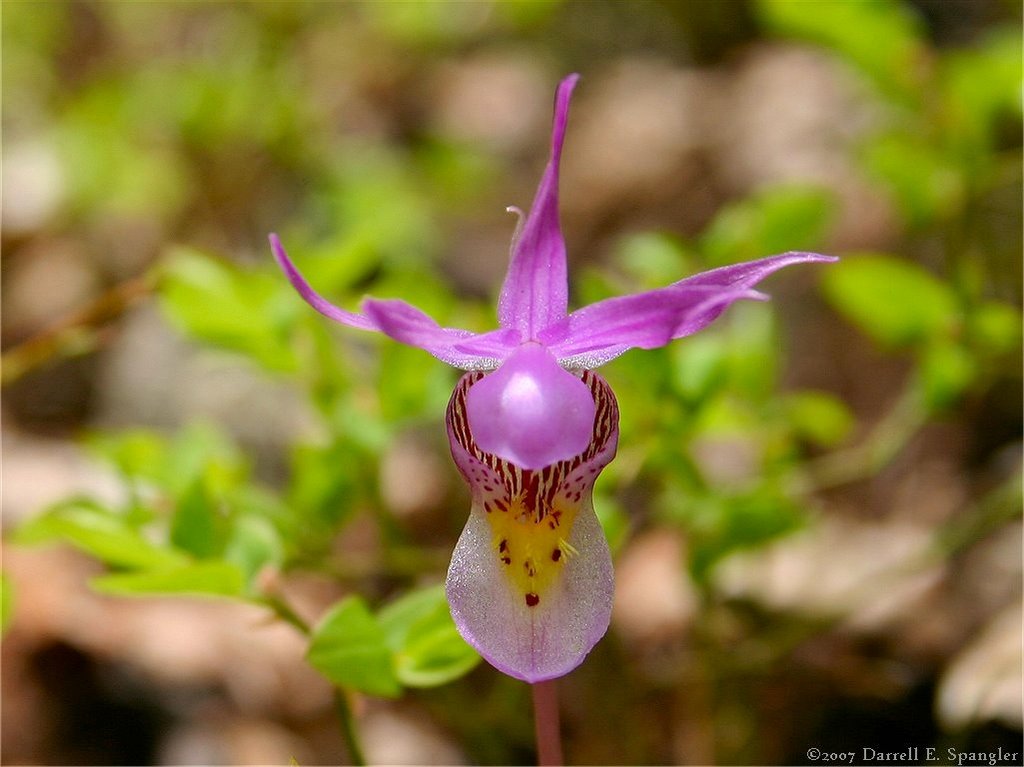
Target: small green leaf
[895, 302]
[246, 311]
[254, 543]
[397, 618]
[428, 648]
[96, 531]
[6, 602]
[135, 453]
[214, 578]
[981, 89]
[653, 258]
[996, 327]
[718, 526]
[818, 417]
[947, 370]
[350, 648]
[202, 450]
[698, 366]
[195, 527]
[923, 179]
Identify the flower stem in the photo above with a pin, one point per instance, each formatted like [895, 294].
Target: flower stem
[285, 612]
[348, 730]
[545, 718]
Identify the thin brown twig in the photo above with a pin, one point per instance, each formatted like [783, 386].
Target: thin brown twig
[77, 332]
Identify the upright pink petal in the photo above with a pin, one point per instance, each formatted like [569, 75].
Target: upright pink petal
[536, 290]
[530, 583]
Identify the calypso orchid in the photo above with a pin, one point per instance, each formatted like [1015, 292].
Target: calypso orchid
[531, 426]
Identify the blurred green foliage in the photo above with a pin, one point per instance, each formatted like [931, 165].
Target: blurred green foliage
[196, 519]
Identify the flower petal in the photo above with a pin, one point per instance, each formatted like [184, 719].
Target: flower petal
[531, 411]
[313, 298]
[498, 344]
[530, 583]
[408, 325]
[543, 641]
[749, 273]
[595, 334]
[600, 332]
[402, 322]
[536, 291]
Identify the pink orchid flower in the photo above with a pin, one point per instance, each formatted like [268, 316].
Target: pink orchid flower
[531, 426]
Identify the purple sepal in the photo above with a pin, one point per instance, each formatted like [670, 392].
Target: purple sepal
[408, 325]
[749, 273]
[536, 289]
[313, 298]
[597, 333]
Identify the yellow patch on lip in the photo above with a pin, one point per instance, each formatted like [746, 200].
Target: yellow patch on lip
[533, 552]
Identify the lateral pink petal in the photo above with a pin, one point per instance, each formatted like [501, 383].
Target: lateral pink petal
[408, 325]
[536, 291]
[600, 332]
[749, 273]
[313, 298]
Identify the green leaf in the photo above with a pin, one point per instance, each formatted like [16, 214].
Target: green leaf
[254, 543]
[6, 602]
[996, 327]
[91, 528]
[718, 526]
[428, 648]
[819, 417]
[172, 464]
[350, 648]
[699, 365]
[323, 485]
[201, 450]
[195, 526]
[981, 88]
[895, 302]
[923, 179]
[251, 312]
[135, 453]
[214, 578]
[653, 258]
[947, 370]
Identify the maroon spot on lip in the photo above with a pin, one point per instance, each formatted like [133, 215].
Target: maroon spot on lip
[532, 600]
